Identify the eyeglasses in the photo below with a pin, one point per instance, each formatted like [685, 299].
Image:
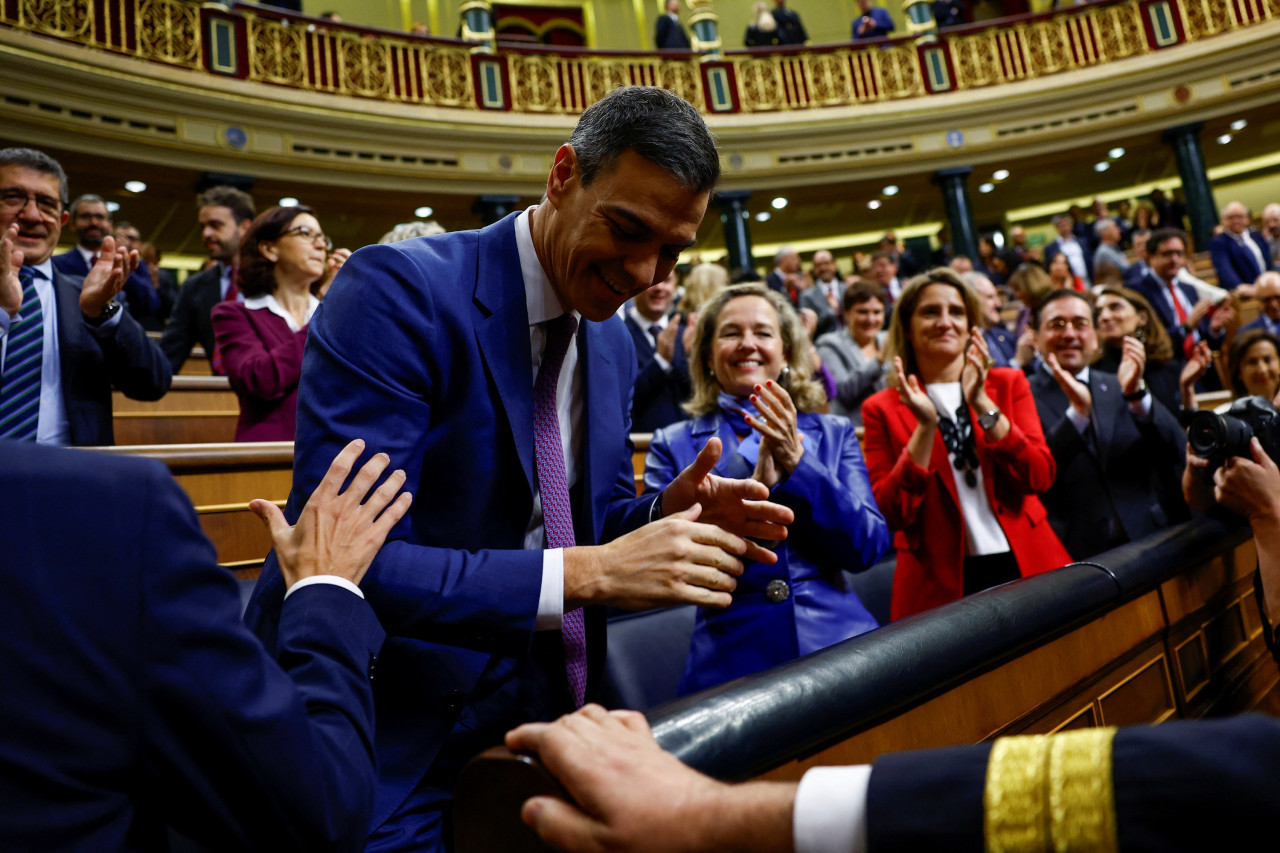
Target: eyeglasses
[311, 236]
[13, 201]
[1059, 324]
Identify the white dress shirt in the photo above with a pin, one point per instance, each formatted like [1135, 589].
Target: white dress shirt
[644, 323]
[1075, 257]
[830, 811]
[269, 303]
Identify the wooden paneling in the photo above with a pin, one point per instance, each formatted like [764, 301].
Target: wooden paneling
[197, 364]
[197, 410]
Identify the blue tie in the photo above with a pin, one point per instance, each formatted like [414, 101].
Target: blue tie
[20, 375]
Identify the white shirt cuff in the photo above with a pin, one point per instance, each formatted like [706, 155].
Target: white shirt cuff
[1079, 421]
[662, 362]
[830, 814]
[551, 597]
[329, 579]
[1141, 409]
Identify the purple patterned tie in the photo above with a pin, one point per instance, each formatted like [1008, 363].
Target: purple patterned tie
[557, 515]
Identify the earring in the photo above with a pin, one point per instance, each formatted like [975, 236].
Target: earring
[784, 376]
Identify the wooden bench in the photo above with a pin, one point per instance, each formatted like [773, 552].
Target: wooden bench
[220, 480]
[197, 410]
[197, 364]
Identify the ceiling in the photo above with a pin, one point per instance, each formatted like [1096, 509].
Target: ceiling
[165, 212]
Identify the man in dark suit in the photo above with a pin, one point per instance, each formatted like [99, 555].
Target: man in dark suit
[1119, 450]
[790, 29]
[662, 369]
[1188, 318]
[785, 273]
[501, 381]
[1267, 292]
[1239, 253]
[134, 699]
[1001, 344]
[670, 35]
[56, 388]
[91, 220]
[823, 298]
[225, 215]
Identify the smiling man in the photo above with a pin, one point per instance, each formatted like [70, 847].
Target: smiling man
[65, 341]
[1119, 450]
[491, 367]
[91, 220]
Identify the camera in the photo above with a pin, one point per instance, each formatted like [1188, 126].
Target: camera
[1218, 437]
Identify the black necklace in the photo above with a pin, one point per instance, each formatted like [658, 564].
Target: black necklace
[957, 435]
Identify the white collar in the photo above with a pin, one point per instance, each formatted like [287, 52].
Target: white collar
[540, 297]
[45, 268]
[644, 322]
[269, 302]
[87, 254]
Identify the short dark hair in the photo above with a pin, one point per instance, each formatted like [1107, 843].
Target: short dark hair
[38, 161]
[863, 291]
[257, 274]
[658, 125]
[1235, 355]
[87, 198]
[1161, 234]
[239, 202]
[1056, 296]
[890, 256]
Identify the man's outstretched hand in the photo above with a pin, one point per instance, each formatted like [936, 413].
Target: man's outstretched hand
[338, 533]
[740, 507]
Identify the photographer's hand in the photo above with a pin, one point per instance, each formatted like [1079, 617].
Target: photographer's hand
[1252, 489]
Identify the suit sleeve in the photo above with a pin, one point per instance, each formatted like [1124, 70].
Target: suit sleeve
[1022, 457]
[253, 368]
[1175, 787]
[182, 330]
[1220, 254]
[897, 482]
[143, 296]
[135, 364]
[836, 514]
[245, 753]
[851, 384]
[483, 599]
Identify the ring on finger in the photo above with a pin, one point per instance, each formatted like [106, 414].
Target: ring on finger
[988, 362]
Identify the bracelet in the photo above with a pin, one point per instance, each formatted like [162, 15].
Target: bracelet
[655, 508]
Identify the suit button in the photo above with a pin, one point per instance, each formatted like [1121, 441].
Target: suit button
[373, 666]
[777, 591]
[453, 701]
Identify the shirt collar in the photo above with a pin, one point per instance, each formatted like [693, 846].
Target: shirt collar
[644, 322]
[87, 254]
[45, 268]
[269, 302]
[540, 297]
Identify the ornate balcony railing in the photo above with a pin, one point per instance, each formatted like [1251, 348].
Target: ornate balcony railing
[266, 45]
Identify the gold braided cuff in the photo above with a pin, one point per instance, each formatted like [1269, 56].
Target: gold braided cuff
[1051, 793]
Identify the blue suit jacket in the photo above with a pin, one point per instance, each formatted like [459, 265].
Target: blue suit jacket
[141, 296]
[670, 35]
[133, 696]
[125, 359]
[882, 24]
[421, 348]
[1234, 263]
[838, 527]
[1184, 786]
[1158, 295]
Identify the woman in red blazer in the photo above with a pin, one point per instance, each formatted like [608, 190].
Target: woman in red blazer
[260, 340]
[956, 454]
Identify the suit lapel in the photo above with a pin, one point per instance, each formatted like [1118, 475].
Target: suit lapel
[1104, 412]
[502, 334]
[602, 423]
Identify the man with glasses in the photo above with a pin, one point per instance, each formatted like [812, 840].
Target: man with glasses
[91, 220]
[64, 340]
[1189, 318]
[1119, 450]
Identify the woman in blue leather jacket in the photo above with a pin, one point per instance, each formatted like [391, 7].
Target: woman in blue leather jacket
[751, 367]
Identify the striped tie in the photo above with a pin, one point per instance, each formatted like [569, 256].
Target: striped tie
[20, 375]
[557, 514]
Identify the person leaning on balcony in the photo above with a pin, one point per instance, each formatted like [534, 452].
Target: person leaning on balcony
[956, 454]
[790, 29]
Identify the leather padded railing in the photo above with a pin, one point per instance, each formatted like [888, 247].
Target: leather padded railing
[752, 725]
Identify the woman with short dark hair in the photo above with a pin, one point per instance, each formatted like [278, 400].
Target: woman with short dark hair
[283, 257]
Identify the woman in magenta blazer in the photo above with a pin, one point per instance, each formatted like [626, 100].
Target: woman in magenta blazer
[956, 454]
[260, 340]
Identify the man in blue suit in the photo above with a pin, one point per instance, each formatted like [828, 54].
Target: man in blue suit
[662, 368]
[91, 222]
[1239, 253]
[134, 700]
[669, 34]
[434, 349]
[1188, 318]
[55, 388]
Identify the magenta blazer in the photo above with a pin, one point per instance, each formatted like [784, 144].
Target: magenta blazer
[263, 360]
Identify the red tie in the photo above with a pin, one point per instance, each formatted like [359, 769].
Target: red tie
[1189, 341]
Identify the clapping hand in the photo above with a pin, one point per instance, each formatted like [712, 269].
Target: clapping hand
[106, 277]
[913, 396]
[781, 443]
[1077, 392]
[10, 263]
[1133, 361]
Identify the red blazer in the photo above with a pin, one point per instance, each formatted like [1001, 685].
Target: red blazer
[922, 507]
[262, 357]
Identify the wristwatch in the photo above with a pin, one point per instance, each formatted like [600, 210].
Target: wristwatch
[107, 313]
[1135, 396]
[987, 420]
